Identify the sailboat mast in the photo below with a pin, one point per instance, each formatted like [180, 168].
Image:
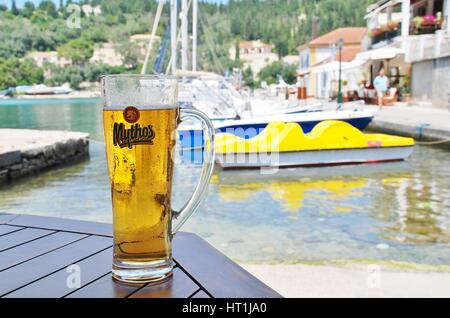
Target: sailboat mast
[173, 31]
[184, 35]
[194, 34]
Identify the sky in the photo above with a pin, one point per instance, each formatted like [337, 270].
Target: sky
[21, 2]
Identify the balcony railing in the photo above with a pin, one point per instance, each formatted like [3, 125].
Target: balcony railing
[385, 36]
[426, 46]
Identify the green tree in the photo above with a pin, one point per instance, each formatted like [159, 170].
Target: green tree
[271, 72]
[14, 72]
[131, 54]
[76, 74]
[49, 8]
[73, 75]
[93, 71]
[95, 35]
[14, 9]
[78, 50]
[285, 24]
[28, 9]
[248, 78]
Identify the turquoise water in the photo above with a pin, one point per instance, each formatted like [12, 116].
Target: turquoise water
[397, 211]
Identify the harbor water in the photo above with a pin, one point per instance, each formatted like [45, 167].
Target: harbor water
[392, 211]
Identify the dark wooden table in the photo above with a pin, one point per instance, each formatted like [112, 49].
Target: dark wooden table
[35, 253]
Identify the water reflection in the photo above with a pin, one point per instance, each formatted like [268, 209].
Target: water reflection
[416, 214]
[290, 193]
[419, 211]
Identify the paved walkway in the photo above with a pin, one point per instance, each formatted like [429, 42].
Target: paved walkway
[419, 122]
[307, 281]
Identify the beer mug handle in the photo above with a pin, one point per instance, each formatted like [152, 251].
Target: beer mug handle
[208, 166]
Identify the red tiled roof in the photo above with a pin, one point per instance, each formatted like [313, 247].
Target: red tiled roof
[350, 35]
[349, 53]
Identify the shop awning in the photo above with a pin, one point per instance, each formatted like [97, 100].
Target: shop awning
[303, 72]
[334, 66]
[384, 53]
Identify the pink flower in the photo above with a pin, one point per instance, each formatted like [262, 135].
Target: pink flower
[429, 18]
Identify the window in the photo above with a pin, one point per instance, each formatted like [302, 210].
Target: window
[304, 60]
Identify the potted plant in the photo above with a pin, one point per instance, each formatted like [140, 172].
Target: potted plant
[375, 32]
[429, 19]
[384, 28]
[393, 25]
[406, 89]
[417, 21]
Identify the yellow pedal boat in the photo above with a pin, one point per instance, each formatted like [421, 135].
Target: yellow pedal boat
[329, 143]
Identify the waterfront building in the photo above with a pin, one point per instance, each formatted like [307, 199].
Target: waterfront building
[322, 50]
[411, 40]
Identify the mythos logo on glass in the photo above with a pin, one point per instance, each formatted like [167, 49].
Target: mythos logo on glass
[135, 135]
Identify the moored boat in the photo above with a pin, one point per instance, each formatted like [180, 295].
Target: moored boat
[329, 143]
[191, 136]
[46, 90]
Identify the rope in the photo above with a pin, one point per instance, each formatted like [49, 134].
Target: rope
[420, 129]
[210, 46]
[430, 143]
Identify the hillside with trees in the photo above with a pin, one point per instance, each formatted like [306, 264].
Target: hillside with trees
[283, 23]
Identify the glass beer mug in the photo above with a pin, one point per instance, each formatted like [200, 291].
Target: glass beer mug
[140, 119]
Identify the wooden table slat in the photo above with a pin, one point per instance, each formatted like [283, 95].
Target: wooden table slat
[55, 285]
[34, 260]
[20, 237]
[201, 294]
[67, 225]
[36, 248]
[5, 218]
[5, 229]
[46, 264]
[179, 286]
[105, 287]
[219, 275]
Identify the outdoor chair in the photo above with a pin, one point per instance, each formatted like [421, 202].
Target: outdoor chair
[391, 97]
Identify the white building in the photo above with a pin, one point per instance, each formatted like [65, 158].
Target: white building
[51, 57]
[314, 73]
[411, 39]
[106, 53]
[255, 54]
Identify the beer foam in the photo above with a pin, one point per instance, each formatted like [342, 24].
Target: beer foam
[142, 92]
[140, 107]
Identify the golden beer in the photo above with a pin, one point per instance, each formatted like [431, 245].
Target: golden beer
[141, 186]
[140, 118]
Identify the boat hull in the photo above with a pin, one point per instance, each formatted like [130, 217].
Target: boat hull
[193, 138]
[312, 158]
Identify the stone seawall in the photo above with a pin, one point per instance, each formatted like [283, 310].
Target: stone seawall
[421, 123]
[25, 152]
